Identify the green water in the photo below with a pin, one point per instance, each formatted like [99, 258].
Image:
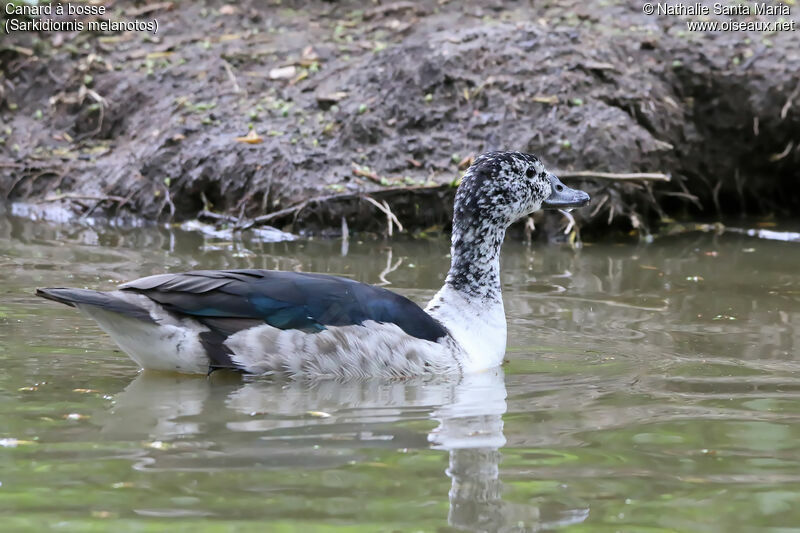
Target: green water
[647, 388]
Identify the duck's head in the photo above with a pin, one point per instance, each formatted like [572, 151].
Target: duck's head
[502, 187]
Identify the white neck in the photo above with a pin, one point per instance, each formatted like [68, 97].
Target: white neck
[470, 305]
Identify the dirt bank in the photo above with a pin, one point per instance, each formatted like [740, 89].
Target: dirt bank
[346, 100]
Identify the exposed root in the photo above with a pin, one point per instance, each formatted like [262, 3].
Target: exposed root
[391, 219]
[614, 176]
[328, 201]
[168, 202]
[102, 104]
[786, 151]
[570, 221]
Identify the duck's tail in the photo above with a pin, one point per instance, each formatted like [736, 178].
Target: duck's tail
[103, 300]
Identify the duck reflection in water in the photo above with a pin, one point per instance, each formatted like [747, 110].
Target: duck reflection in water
[328, 424]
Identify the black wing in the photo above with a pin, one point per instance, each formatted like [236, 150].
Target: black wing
[228, 301]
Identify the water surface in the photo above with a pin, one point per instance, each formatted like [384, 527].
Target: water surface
[647, 388]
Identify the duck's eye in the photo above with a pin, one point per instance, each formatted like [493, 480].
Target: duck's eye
[530, 172]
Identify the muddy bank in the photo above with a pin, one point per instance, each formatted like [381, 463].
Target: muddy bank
[346, 101]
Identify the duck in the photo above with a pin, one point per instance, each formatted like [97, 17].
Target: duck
[314, 325]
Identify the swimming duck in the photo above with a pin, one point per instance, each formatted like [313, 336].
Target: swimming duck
[300, 324]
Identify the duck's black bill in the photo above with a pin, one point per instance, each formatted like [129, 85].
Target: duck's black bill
[563, 197]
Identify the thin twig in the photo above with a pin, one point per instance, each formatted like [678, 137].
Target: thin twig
[715, 196]
[572, 229]
[32, 164]
[778, 157]
[692, 198]
[384, 211]
[295, 209]
[366, 173]
[167, 201]
[599, 205]
[788, 104]
[277, 214]
[634, 176]
[390, 217]
[16, 182]
[570, 221]
[205, 213]
[33, 178]
[71, 196]
[232, 77]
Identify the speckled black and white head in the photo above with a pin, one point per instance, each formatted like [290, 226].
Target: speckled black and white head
[497, 190]
[502, 187]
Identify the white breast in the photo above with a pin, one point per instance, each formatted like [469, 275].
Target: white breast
[478, 326]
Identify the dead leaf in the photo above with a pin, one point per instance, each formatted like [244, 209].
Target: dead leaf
[543, 99]
[230, 37]
[251, 138]
[158, 55]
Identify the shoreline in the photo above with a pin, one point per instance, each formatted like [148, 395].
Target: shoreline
[249, 111]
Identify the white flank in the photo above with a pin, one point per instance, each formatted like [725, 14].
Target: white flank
[372, 349]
